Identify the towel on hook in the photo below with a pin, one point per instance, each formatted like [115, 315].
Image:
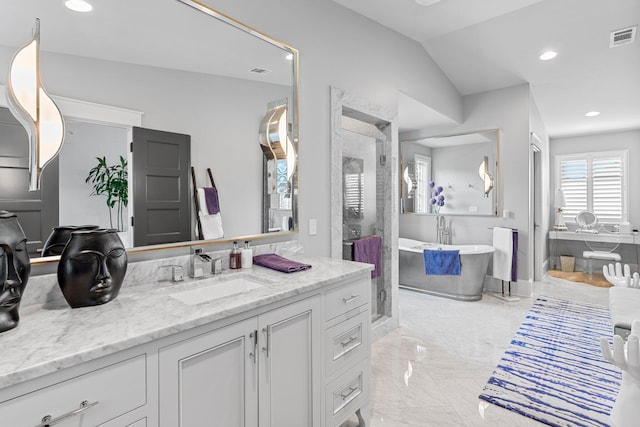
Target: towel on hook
[505, 243]
[442, 262]
[211, 223]
[369, 250]
[211, 199]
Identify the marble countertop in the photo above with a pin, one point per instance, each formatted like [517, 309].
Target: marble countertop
[595, 237]
[52, 336]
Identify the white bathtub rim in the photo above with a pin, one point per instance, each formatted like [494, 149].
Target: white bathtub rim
[417, 246]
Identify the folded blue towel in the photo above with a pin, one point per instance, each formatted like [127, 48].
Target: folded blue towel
[442, 262]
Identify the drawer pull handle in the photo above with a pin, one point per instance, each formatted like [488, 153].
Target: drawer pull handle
[48, 421]
[346, 395]
[349, 341]
[350, 299]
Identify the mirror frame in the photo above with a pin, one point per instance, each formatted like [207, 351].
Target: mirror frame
[295, 123]
[496, 179]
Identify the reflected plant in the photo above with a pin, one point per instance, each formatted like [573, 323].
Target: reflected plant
[113, 182]
[437, 201]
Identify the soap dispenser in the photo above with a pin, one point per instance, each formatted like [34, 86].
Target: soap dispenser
[247, 255]
[235, 259]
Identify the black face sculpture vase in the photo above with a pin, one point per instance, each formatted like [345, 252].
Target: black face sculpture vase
[14, 269]
[92, 267]
[59, 237]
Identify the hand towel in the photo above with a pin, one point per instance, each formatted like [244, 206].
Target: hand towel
[278, 263]
[442, 262]
[369, 250]
[211, 199]
[211, 223]
[503, 254]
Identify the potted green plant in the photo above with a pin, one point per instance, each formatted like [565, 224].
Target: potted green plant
[111, 181]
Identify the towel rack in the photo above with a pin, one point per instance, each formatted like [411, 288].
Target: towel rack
[350, 243]
[196, 199]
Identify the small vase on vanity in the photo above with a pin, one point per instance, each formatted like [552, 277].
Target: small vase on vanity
[92, 267]
[16, 266]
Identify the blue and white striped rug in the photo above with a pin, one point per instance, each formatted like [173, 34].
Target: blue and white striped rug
[553, 370]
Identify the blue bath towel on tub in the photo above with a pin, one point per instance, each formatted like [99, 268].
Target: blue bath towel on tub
[442, 262]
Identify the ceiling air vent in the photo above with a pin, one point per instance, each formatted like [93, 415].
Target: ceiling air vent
[259, 71]
[624, 36]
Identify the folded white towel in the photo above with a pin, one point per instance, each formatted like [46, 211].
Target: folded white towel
[211, 224]
[502, 256]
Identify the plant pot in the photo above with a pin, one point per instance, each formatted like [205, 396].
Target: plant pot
[567, 263]
[92, 267]
[14, 257]
[57, 240]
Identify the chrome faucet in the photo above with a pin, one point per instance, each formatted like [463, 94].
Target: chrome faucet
[442, 230]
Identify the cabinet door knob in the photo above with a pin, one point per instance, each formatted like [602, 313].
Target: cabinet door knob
[48, 420]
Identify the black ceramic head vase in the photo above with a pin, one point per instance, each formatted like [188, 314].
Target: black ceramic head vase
[57, 240]
[14, 269]
[92, 267]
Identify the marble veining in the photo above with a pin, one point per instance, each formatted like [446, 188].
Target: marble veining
[51, 336]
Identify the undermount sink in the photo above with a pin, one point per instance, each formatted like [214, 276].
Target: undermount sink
[214, 288]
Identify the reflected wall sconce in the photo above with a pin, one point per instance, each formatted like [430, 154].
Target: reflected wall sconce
[274, 137]
[410, 180]
[34, 109]
[485, 176]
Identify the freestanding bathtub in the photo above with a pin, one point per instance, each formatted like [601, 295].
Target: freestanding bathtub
[474, 260]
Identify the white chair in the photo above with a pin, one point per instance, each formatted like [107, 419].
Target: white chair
[601, 255]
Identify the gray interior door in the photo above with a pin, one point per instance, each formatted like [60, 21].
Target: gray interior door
[37, 211]
[161, 205]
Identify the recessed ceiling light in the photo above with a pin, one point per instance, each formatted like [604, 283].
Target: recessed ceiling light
[550, 54]
[426, 2]
[592, 113]
[78, 5]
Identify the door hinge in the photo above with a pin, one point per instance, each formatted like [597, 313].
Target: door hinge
[131, 147]
[132, 222]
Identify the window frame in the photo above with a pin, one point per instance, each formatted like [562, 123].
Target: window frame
[589, 157]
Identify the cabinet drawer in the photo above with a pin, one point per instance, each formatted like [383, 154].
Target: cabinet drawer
[117, 389]
[347, 393]
[347, 342]
[344, 298]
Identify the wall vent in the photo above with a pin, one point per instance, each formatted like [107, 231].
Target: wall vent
[624, 36]
[259, 71]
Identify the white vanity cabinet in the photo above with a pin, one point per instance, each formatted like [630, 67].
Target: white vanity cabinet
[262, 368]
[347, 350]
[100, 397]
[293, 354]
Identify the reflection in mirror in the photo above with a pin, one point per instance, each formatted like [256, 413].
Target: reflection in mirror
[209, 78]
[452, 174]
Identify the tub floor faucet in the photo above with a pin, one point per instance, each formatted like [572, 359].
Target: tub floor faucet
[441, 229]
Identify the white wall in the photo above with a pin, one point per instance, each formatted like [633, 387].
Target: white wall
[602, 142]
[456, 170]
[508, 110]
[83, 143]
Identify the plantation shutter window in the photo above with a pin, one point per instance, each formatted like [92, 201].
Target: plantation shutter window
[594, 182]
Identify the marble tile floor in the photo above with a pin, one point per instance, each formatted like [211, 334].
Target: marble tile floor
[430, 371]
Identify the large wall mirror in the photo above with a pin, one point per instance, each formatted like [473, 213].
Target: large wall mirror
[451, 174]
[173, 66]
